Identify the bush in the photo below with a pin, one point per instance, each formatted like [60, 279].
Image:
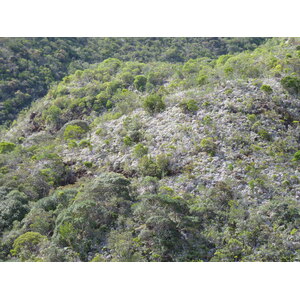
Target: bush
[155, 78]
[109, 104]
[158, 167]
[148, 167]
[85, 144]
[12, 207]
[264, 135]
[266, 88]
[154, 104]
[297, 156]
[188, 106]
[140, 150]
[6, 147]
[127, 140]
[73, 132]
[251, 117]
[38, 220]
[127, 78]
[52, 115]
[162, 162]
[88, 164]
[291, 83]
[92, 213]
[208, 145]
[202, 79]
[140, 82]
[27, 246]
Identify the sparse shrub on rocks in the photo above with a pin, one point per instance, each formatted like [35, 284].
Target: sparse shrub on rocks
[157, 167]
[188, 106]
[264, 134]
[52, 115]
[88, 164]
[266, 88]
[73, 132]
[251, 117]
[208, 145]
[140, 150]
[154, 104]
[291, 83]
[85, 144]
[6, 147]
[127, 141]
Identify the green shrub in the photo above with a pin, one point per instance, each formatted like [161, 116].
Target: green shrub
[109, 104]
[297, 156]
[127, 140]
[52, 115]
[127, 78]
[6, 147]
[162, 162]
[27, 246]
[266, 88]
[291, 83]
[72, 144]
[135, 136]
[148, 167]
[264, 135]
[208, 145]
[88, 164]
[100, 132]
[140, 150]
[113, 86]
[202, 79]
[13, 206]
[85, 144]
[111, 116]
[140, 82]
[228, 91]
[38, 220]
[154, 104]
[258, 182]
[188, 106]
[207, 120]
[93, 213]
[251, 117]
[73, 132]
[158, 167]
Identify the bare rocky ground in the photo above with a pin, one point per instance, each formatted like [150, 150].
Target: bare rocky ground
[251, 133]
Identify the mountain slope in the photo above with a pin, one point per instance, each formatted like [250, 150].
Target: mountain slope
[129, 161]
[29, 66]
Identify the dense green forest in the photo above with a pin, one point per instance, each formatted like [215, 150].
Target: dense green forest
[150, 149]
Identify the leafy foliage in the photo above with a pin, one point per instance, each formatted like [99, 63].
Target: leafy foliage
[73, 132]
[6, 147]
[27, 246]
[189, 106]
[291, 83]
[29, 66]
[154, 104]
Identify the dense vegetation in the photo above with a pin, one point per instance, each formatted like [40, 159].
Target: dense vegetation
[29, 66]
[150, 157]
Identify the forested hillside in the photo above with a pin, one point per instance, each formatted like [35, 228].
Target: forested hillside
[150, 149]
[29, 66]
